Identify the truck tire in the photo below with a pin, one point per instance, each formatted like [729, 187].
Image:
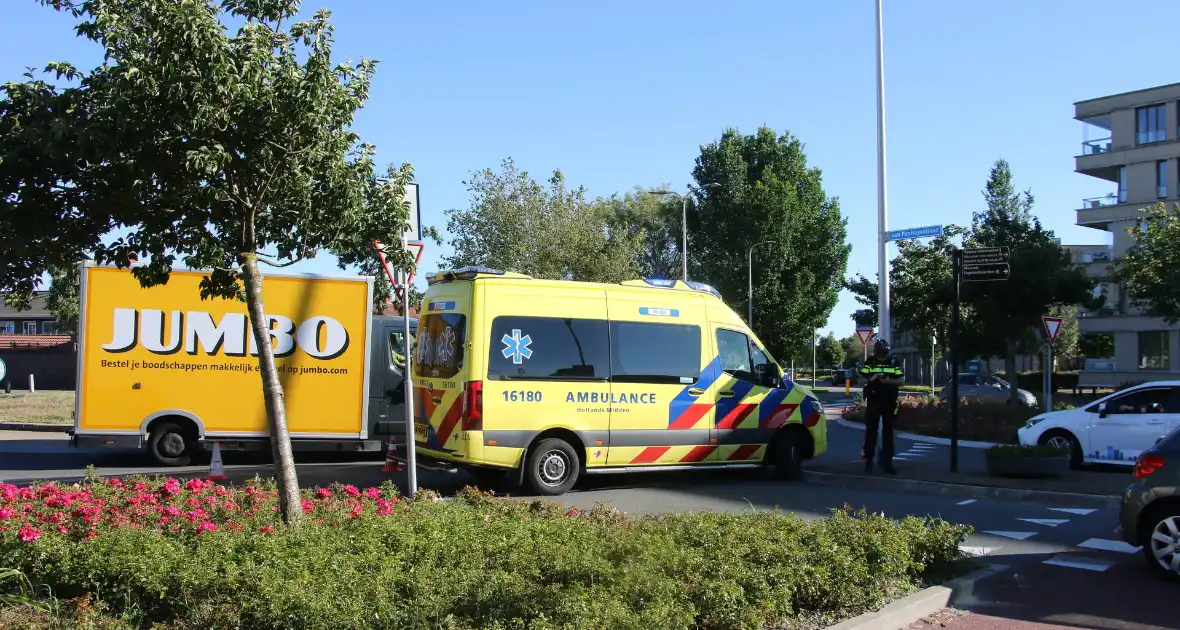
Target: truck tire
[172, 444]
[553, 467]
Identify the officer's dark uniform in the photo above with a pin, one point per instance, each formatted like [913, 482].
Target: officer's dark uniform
[881, 405]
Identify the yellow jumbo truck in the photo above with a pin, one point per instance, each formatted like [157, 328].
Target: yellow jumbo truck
[162, 369]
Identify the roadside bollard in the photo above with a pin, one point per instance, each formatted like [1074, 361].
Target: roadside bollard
[31, 387]
[847, 387]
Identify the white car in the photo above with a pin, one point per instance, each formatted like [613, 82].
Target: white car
[1110, 430]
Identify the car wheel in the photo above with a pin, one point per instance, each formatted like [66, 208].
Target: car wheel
[553, 467]
[1063, 439]
[1161, 543]
[787, 455]
[171, 444]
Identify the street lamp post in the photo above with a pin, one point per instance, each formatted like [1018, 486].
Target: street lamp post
[884, 319]
[684, 222]
[750, 283]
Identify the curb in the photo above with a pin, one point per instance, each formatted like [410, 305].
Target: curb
[914, 437]
[965, 491]
[909, 610]
[36, 426]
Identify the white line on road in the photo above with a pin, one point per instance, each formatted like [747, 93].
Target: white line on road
[1007, 534]
[966, 502]
[1078, 511]
[1089, 565]
[1109, 545]
[1051, 522]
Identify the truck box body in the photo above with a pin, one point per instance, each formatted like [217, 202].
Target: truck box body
[160, 354]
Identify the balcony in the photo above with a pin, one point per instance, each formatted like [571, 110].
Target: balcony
[1094, 147]
[1100, 202]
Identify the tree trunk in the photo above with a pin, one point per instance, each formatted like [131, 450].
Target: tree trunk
[1010, 372]
[290, 507]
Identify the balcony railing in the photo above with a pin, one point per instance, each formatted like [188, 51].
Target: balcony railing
[1092, 147]
[1100, 202]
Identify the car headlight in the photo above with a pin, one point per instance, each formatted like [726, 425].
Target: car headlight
[1032, 422]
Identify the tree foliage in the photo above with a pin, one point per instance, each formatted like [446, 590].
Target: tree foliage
[1043, 276]
[854, 350]
[831, 353]
[1150, 269]
[216, 147]
[553, 232]
[766, 196]
[651, 222]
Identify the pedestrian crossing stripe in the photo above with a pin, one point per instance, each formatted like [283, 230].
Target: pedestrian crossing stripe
[1077, 511]
[967, 502]
[1051, 522]
[1103, 544]
[1062, 560]
[1008, 534]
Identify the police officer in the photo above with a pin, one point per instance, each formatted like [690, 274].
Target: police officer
[885, 378]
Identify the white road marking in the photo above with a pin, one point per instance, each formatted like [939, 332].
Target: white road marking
[967, 502]
[1007, 534]
[1051, 522]
[1078, 511]
[1088, 565]
[1109, 545]
[977, 551]
[923, 446]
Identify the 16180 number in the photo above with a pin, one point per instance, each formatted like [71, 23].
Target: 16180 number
[522, 396]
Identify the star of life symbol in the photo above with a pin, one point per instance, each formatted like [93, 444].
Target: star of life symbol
[445, 347]
[424, 348]
[516, 347]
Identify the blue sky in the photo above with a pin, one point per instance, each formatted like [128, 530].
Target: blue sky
[618, 94]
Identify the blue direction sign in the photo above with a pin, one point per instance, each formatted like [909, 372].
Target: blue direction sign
[920, 232]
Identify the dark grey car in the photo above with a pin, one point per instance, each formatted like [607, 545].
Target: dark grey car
[1150, 514]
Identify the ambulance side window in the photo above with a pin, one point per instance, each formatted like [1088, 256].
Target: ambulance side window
[743, 360]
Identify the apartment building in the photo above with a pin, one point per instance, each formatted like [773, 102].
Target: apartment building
[1131, 140]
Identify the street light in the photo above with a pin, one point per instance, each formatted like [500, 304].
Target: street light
[684, 221]
[750, 282]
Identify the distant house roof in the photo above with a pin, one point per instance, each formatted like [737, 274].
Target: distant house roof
[9, 342]
[37, 308]
[390, 310]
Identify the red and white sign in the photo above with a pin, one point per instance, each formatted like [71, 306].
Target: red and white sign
[1052, 327]
[399, 277]
[865, 334]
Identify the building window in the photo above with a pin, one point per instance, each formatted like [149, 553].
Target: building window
[1122, 184]
[7, 328]
[1149, 124]
[48, 328]
[1161, 179]
[29, 328]
[1153, 350]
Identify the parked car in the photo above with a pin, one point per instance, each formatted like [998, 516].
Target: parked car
[1116, 429]
[1150, 512]
[991, 388]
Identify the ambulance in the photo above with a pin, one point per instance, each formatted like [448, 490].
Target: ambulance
[546, 381]
[161, 370]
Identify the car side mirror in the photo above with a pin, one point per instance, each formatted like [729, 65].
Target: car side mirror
[1101, 410]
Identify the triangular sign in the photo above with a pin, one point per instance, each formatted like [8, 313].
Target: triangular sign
[865, 335]
[1052, 327]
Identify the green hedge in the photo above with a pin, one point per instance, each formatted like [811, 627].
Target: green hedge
[361, 560]
[1035, 381]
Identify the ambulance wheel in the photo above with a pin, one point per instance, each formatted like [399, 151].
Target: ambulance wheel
[553, 467]
[172, 444]
[787, 453]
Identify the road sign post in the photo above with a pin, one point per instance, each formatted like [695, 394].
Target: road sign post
[956, 268]
[866, 334]
[400, 280]
[1052, 329]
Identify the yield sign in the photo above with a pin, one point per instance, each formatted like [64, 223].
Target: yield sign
[1052, 327]
[865, 335]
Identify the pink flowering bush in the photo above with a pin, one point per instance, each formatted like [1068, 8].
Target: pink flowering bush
[177, 554]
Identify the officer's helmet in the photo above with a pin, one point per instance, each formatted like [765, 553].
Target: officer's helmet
[881, 348]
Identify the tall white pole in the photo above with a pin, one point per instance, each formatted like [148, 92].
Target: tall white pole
[684, 236]
[886, 328]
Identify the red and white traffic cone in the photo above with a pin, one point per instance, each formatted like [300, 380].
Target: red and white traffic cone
[391, 464]
[216, 469]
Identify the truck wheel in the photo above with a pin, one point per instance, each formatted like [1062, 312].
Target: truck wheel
[787, 454]
[171, 444]
[553, 467]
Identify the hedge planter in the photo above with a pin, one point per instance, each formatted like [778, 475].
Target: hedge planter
[1027, 461]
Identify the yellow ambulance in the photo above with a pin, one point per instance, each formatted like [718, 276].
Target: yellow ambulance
[552, 380]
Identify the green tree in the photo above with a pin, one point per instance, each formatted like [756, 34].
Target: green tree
[854, 350]
[767, 196]
[63, 300]
[831, 353]
[1043, 276]
[222, 148]
[550, 232]
[652, 220]
[1150, 269]
[865, 293]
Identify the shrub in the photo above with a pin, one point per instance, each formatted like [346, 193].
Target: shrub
[921, 389]
[196, 555]
[979, 420]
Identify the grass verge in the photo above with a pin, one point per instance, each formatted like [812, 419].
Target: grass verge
[50, 407]
[203, 556]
